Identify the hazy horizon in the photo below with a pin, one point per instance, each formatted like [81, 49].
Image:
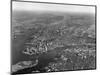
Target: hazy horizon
[28, 6]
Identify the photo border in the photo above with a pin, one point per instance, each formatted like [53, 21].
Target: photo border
[57, 4]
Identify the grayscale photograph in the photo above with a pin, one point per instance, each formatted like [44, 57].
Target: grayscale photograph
[52, 37]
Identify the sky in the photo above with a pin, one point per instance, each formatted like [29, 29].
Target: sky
[31, 6]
